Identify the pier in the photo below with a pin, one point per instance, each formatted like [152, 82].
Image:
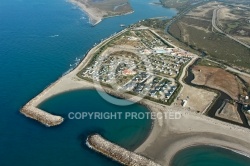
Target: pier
[41, 116]
[32, 111]
[117, 153]
[67, 82]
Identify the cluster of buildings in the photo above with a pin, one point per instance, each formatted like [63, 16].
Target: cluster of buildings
[149, 39]
[246, 107]
[153, 86]
[149, 71]
[167, 65]
[109, 68]
[140, 82]
[165, 61]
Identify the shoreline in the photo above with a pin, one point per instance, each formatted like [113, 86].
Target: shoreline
[214, 146]
[180, 138]
[94, 18]
[95, 15]
[116, 152]
[166, 137]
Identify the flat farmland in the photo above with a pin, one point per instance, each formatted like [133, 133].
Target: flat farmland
[217, 78]
[195, 30]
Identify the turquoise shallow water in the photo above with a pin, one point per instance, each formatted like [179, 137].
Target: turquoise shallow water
[128, 133]
[209, 156]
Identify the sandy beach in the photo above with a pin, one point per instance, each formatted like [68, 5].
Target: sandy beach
[95, 15]
[168, 136]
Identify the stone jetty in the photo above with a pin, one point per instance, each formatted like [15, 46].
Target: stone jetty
[41, 116]
[117, 153]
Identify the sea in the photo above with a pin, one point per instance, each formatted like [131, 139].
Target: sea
[209, 156]
[40, 41]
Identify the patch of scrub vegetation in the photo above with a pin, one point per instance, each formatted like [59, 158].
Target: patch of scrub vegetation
[196, 32]
[112, 7]
[234, 19]
[206, 62]
[155, 23]
[179, 4]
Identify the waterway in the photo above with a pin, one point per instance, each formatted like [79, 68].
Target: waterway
[217, 104]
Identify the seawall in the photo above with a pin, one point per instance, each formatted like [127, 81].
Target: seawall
[32, 111]
[67, 82]
[41, 116]
[117, 153]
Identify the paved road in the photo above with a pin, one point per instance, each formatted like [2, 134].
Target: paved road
[237, 71]
[230, 68]
[215, 12]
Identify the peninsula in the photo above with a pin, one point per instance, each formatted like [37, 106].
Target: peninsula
[98, 10]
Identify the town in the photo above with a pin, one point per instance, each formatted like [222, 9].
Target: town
[139, 62]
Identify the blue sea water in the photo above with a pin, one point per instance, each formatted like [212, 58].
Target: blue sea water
[38, 42]
[127, 132]
[209, 156]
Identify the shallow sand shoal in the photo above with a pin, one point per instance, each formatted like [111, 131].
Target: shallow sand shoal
[95, 15]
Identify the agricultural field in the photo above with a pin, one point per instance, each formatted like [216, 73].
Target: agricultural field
[196, 31]
[182, 4]
[234, 20]
[218, 78]
[179, 4]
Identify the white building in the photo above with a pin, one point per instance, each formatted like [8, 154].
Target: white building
[184, 103]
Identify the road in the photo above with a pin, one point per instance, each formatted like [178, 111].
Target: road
[230, 68]
[214, 19]
[184, 12]
[237, 71]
